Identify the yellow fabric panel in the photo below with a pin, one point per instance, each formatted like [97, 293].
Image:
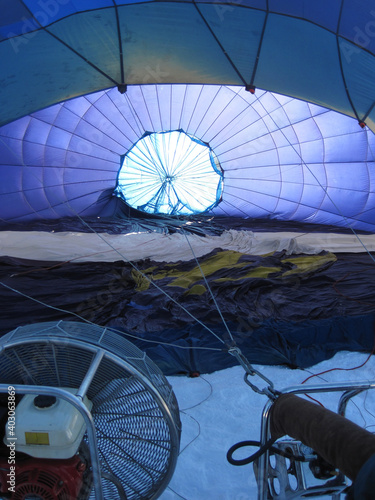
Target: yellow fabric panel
[230, 260]
[258, 272]
[309, 263]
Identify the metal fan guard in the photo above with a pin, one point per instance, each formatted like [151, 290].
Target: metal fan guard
[135, 411]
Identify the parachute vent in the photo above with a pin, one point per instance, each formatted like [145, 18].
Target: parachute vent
[170, 173]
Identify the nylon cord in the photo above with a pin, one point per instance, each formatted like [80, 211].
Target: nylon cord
[127, 334]
[151, 281]
[210, 290]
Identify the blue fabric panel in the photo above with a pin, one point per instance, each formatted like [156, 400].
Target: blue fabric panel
[129, 2]
[270, 172]
[259, 202]
[290, 192]
[298, 113]
[50, 11]
[149, 99]
[33, 155]
[117, 131]
[339, 180]
[54, 182]
[48, 114]
[312, 197]
[55, 157]
[15, 208]
[15, 19]
[341, 148]
[74, 110]
[254, 134]
[32, 180]
[289, 155]
[279, 139]
[307, 131]
[300, 59]
[370, 121]
[284, 209]
[358, 24]
[58, 138]
[16, 130]
[66, 119]
[83, 203]
[11, 152]
[330, 125]
[90, 150]
[316, 11]
[177, 94]
[37, 199]
[223, 8]
[260, 159]
[14, 184]
[312, 151]
[152, 97]
[90, 132]
[232, 28]
[85, 183]
[206, 115]
[93, 35]
[293, 181]
[57, 64]
[166, 111]
[368, 210]
[172, 35]
[314, 186]
[139, 122]
[359, 72]
[11, 12]
[37, 132]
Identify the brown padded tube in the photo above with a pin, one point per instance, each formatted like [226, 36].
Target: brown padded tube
[339, 441]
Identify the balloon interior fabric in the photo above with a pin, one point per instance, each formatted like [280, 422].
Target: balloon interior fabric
[88, 87]
[281, 158]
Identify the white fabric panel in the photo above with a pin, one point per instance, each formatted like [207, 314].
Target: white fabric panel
[81, 247]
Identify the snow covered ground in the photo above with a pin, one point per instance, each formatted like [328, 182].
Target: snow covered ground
[219, 410]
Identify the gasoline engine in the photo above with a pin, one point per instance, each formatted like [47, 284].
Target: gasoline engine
[42, 452]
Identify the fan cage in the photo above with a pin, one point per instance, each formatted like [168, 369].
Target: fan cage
[134, 409]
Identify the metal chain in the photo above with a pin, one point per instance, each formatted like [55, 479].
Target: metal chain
[269, 391]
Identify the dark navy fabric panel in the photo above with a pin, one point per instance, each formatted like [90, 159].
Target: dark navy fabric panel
[297, 321]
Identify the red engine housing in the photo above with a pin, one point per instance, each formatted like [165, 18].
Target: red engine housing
[44, 478]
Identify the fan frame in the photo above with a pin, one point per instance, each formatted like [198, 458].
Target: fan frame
[99, 354]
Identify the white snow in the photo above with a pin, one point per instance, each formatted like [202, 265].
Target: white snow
[220, 409]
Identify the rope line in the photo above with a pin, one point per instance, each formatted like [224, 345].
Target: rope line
[210, 290]
[127, 334]
[151, 281]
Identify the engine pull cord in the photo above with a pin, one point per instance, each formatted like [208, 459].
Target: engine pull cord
[269, 390]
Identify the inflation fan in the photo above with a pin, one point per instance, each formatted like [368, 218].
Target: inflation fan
[84, 415]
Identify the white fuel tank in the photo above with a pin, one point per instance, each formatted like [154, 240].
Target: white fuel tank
[47, 427]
